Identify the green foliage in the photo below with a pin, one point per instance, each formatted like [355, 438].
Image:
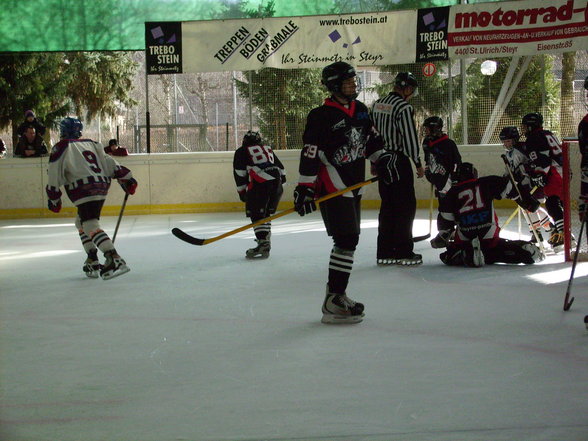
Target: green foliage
[528, 96]
[283, 97]
[54, 84]
[432, 96]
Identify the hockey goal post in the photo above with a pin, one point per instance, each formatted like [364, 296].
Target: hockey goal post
[571, 194]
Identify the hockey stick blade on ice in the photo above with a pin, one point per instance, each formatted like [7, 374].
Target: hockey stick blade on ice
[567, 300]
[182, 235]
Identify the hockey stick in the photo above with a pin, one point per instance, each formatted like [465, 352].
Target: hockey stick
[122, 209]
[525, 214]
[195, 241]
[567, 300]
[514, 213]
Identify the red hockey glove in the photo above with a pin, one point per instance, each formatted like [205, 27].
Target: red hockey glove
[54, 205]
[304, 200]
[129, 186]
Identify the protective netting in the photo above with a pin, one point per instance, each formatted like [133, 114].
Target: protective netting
[212, 111]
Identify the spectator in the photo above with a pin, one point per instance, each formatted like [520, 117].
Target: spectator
[113, 149]
[30, 145]
[31, 121]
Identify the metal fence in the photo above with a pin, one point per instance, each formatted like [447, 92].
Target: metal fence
[212, 111]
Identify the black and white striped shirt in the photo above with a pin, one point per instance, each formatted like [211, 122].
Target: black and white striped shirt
[394, 119]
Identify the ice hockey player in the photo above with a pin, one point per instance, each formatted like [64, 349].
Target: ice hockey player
[339, 135]
[515, 153]
[544, 152]
[583, 143]
[441, 161]
[82, 167]
[259, 176]
[469, 206]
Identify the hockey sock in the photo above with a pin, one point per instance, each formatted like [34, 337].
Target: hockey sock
[99, 237]
[555, 210]
[84, 238]
[340, 265]
[263, 231]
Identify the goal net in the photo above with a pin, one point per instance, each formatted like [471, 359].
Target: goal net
[571, 184]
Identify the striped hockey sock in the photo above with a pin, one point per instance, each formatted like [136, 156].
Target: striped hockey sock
[263, 231]
[340, 265]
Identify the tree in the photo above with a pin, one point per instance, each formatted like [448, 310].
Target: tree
[54, 84]
[293, 93]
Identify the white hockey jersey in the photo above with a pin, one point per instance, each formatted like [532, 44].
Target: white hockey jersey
[83, 169]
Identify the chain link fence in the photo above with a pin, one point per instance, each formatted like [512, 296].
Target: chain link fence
[212, 111]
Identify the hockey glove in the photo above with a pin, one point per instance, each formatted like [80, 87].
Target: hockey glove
[243, 196]
[385, 168]
[54, 205]
[129, 186]
[528, 202]
[539, 180]
[304, 200]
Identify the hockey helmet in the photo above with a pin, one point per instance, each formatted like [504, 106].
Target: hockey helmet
[70, 128]
[434, 124]
[334, 74]
[405, 79]
[251, 138]
[532, 120]
[465, 172]
[509, 132]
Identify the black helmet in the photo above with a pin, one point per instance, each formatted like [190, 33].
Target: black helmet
[334, 74]
[251, 138]
[434, 123]
[404, 79]
[509, 132]
[533, 120]
[465, 172]
[70, 128]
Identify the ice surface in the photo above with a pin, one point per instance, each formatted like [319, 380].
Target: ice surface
[198, 343]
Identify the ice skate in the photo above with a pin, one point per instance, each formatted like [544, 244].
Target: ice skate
[92, 266]
[338, 308]
[556, 241]
[114, 266]
[261, 251]
[412, 259]
[474, 256]
[535, 254]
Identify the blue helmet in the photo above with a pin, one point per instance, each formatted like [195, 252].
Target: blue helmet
[70, 128]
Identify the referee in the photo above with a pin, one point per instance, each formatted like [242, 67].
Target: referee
[394, 119]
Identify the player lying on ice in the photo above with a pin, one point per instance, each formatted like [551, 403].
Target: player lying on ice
[469, 208]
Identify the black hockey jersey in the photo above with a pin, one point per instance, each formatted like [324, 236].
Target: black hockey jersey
[544, 151]
[469, 205]
[256, 163]
[336, 142]
[442, 158]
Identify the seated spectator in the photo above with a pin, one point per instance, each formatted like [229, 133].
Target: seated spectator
[31, 121]
[30, 145]
[113, 149]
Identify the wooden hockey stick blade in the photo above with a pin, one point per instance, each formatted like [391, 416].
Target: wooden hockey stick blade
[182, 235]
[421, 238]
[568, 305]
